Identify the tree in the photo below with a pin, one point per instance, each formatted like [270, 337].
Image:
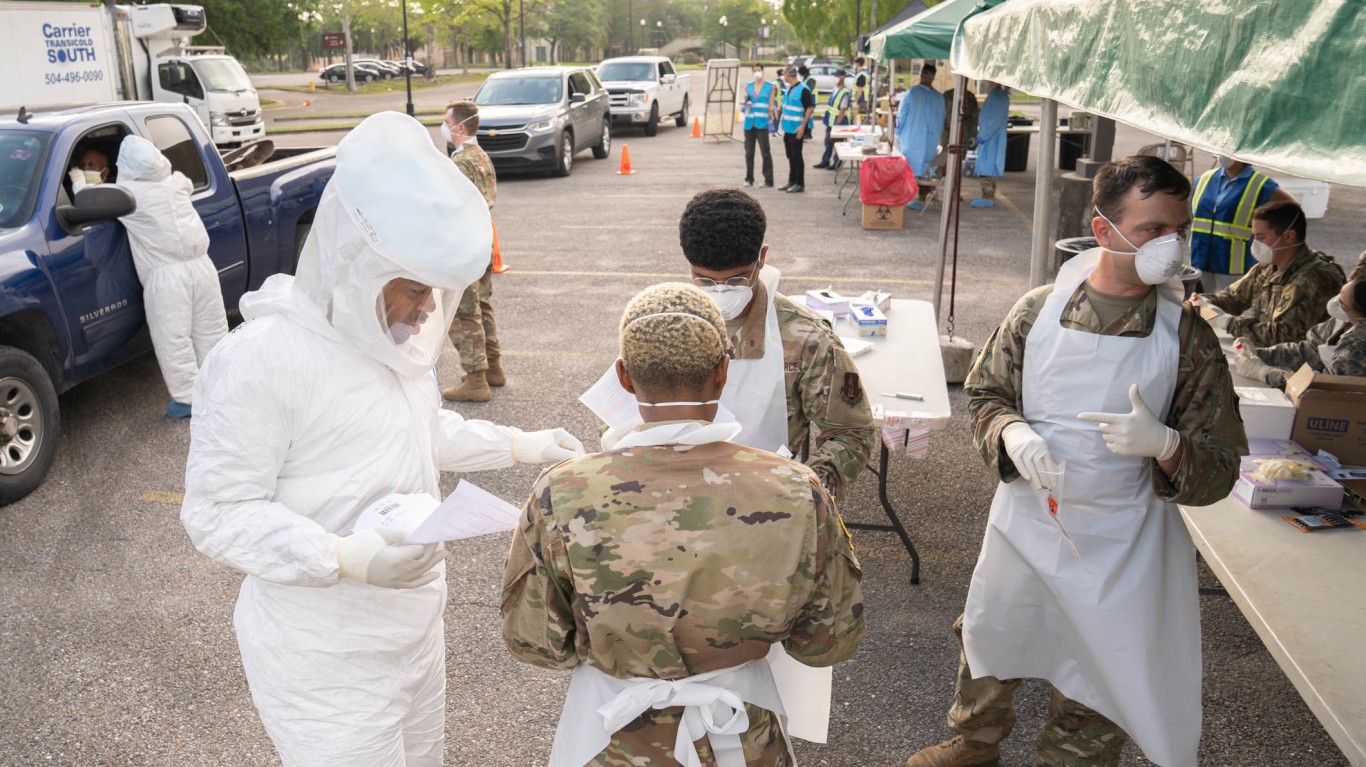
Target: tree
[573, 24]
[256, 28]
[832, 23]
[742, 22]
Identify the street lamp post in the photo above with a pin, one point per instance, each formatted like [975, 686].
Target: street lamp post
[407, 60]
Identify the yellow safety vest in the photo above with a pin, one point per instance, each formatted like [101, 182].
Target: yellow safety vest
[1238, 232]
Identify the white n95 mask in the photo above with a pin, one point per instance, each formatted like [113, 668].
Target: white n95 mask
[730, 299]
[1336, 311]
[446, 133]
[1160, 258]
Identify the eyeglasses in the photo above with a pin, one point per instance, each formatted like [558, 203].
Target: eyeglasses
[738, 281]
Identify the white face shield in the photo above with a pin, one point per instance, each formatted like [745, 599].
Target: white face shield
[396, 209]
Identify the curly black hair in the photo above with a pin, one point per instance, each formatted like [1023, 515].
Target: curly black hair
[722, 229]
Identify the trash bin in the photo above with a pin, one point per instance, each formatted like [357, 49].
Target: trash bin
[1071, 247]
[1017, 152]
[1070, 147]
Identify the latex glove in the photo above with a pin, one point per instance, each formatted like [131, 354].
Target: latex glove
[78, 180]
[1200, 302]
[1029, 453]
[1220, 321]
[547, 446]
[1137, 433]
[379, 557]
[1244, 345]
[1251, 366]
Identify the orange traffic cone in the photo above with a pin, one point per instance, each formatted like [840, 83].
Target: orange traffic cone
[498, 266]
[308, 102]
[696, 127]
[625, 169]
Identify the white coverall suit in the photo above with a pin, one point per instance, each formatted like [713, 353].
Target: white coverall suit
[181, 294]
[311, 411]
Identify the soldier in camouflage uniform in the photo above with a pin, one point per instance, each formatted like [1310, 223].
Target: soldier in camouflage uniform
[475, 334]
[1336, 346]
[1281, 297]
[722, 236]
[639, 563]
[1359, 271]
[1203, 411]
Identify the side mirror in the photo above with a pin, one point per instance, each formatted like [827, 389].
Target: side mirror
[578, 98]
[667, 78]
[100, 202]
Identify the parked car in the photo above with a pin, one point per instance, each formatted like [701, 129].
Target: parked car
[388, 70]
[825, 77]
[644, 89]
[70, 300]
[539, 117]
[364, 73]
[417, 67]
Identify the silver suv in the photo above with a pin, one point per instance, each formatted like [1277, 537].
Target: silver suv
[537, 118]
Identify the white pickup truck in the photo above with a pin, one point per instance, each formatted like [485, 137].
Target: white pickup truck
[644, 89]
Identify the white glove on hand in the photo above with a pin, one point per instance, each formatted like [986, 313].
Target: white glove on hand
[1251, 366]
[1029, 453]
[1244, 345]
[547, 446]
[1220, 321]
[378, 557]
[78, 180]
[1137, 433]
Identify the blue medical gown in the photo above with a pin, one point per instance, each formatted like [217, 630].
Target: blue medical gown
[991, 134]
[919, 122]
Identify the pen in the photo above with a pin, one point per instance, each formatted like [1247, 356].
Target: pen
[904, 395]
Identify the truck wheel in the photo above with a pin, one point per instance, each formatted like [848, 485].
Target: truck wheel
[682, 119]
[564, 163]
[604, 147]
[300, 237]
[29, 422]
[652, 125]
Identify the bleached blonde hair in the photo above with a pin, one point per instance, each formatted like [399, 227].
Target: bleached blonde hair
[672, 337]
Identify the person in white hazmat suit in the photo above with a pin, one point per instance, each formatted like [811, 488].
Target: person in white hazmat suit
[322, 402]
[181, 294]
[1100, 403]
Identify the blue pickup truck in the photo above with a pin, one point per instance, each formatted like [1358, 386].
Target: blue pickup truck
[70, 301]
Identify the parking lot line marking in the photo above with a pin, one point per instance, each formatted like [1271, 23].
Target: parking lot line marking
[161, 496]
[1028, 224]
[677, 276]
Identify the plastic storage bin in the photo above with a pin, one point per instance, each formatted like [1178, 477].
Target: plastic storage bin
[1313, 195]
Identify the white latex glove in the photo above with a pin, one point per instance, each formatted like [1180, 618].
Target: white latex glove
[546, 446]
[1137, 433]
[1199, 302]
[1220, 321]
[78, 180]
[1029, 453]
[379, 557]
[1244, 345]
[1251, 366]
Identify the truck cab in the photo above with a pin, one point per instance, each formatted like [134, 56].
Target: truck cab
[643, 90]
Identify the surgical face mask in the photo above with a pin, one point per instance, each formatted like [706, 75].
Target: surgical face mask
[446, 133]
[758, 75]
[1336, 311]
[450, 137]
[1160, 258]
[1224, 162]
[731, 299]
[1264, 253]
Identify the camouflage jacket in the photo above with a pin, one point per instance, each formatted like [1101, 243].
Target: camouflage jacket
[1284, 303]
[824, 391]
[1358, 271]
[1349, 358]
[474, 162]
[670, 561]
[1203, 409]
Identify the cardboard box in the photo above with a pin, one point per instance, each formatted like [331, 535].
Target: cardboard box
[883, 216]
[881, 299]
[828, 300]
[1330, 414]
[868, 320]
[1267, 413]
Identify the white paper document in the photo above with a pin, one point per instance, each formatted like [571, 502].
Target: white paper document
[613, 404]
[468, 512]
[854, 346]
[805, 692]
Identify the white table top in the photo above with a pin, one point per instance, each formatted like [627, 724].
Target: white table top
[854, 152]
[1299, 593]
[907, 359]
[842, 132]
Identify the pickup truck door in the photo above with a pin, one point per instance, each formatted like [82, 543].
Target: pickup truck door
[669, 100]
[214, 198]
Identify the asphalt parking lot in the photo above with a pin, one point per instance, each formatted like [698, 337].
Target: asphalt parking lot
[116, 640]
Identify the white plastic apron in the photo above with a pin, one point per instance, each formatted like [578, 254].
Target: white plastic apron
[1118, 631]
[597, 705]
[755, 393]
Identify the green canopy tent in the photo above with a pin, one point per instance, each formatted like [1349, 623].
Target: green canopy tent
[1276, 84]
[927, 35]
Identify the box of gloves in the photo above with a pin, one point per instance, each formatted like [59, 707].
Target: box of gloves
[1280, 474]
[868, 320]
[1267, 413]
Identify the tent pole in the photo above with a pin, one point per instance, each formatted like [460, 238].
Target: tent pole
[891, 108]
[1043, 194]
[947, 187]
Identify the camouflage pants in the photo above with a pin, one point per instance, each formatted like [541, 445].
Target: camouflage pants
[1074, 735]
[474, 332]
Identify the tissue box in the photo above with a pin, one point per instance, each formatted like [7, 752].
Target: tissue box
[1258, 493]
[828, 300]
[868, 320]
[1267, 413]
[881, 299]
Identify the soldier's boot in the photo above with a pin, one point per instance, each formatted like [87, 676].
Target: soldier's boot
[495, 374]
[475, 388]
[957, 752]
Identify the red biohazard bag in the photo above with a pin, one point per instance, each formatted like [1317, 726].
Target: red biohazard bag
[886, 181]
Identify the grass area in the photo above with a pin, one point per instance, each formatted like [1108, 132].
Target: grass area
[384, 86]
[419, 113]
[271, 103]
[340, 125]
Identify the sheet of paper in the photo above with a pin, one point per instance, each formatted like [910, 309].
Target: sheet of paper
[854, 346]
[468, 512]
[398, 511]
[613, 404]
[805, 692]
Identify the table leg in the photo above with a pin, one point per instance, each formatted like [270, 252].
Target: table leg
[895, 526]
